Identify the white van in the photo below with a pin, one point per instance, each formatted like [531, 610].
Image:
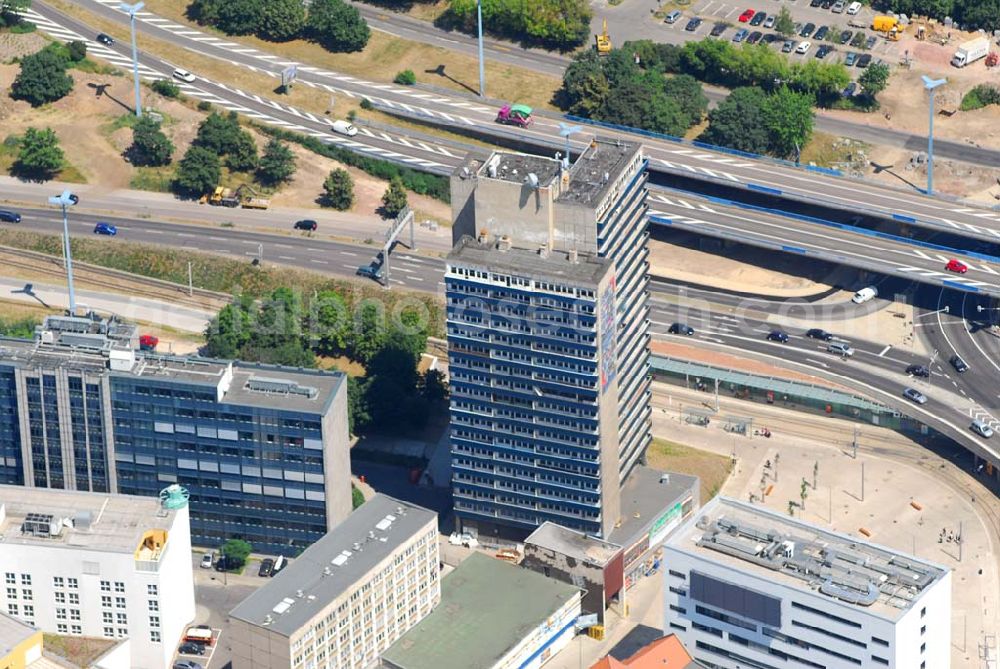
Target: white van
[853, 8]
[673, 16]
[865, 295]
[344, 128]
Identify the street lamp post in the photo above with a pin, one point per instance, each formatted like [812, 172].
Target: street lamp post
[930, 85]
[482, 71]
[566, 130]
[64, 200]
[131, 10]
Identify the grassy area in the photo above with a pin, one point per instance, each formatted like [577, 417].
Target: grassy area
[711, 468]
[8, 156]
[156, 179]
[223, 274]
[81, 651]
[386, 55]
[19, 320]
[827, 150]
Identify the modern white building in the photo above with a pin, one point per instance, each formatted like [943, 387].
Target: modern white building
[99, 565]
[746, 587]
[347, 597]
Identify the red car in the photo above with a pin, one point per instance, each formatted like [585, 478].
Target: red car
[746, 15]
[956, 266]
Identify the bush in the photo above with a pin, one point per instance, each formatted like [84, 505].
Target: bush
[204, 105]
[166, 88]
[561, 24]
[42, 78]
[77, 50]
[980, 96]
[366, 104]
[338, 190]
[39, 155]
[419, 182]
[405, 78]
[357, 497]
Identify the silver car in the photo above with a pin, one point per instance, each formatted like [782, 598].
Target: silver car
[915, 396]
[982, 429]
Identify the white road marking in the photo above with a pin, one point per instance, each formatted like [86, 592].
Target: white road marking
[885, 350]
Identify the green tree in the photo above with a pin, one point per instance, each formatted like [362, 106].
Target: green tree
[738, 122]
[330, 323]
[166, 88]
[369, 332]
[282, 20]
[10, 11]
[337, 26]
[149, 145]
[218, 133]
[585, 86]
[39, 156]
[561, 24]
[359, 416]
[976, 14]
[241, 155]
[874, 79]
[236, 552]
[434, 386]
[239, 17]
[824, 81]
[788, 117]
[783, 24]
[77, 50]
[687, 92]
[394, 198]
[230, 330]
[405, 78]
[641, 102]
[42, 78]
[338, 190]
[277, 165]
[198, 172]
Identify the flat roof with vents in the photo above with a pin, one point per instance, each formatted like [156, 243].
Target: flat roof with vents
[334, 564]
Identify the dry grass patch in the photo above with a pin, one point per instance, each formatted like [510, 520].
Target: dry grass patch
[711, 468]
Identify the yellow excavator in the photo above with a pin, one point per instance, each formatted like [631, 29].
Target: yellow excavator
[603, 41]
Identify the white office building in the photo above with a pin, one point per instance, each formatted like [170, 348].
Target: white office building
[99, 565]
[748, 588]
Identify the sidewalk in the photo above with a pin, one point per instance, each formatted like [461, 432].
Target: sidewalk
[95, 199]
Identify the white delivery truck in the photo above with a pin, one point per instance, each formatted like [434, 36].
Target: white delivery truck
[971, 51]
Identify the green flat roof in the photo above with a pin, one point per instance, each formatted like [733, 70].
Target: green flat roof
[487, 607]
[522, 109]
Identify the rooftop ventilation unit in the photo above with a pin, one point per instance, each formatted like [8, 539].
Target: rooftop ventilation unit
[262, 384]
[268, 619]
[283, 605]
[383, 524]
[38, 525]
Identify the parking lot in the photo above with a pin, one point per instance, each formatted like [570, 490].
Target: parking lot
[203, 659]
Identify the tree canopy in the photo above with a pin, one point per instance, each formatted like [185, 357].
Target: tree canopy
[277, 165]
[338, 190]
[282, 20]
[149, 145]
[751, 120]
[874, 79]
[42, 78]
[394, 198]
[198, 172]
[561, 24]
[39, 156]
[337, 26]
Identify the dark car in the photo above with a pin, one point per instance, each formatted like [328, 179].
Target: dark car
[816, 3]
[10, 216]
[770, 38]
[826, 4]
[807, 30]
[105, 229]
[758, 18]
[226, 563]
[305, 224]
[846, 36]
[681, 328]
[959, 364]
[823, 50]
[864, 61]
[106, 40]
[918, 370]
[858, 40]
[870, 43]
[372, 271]
[788, 46]
[778, 336]
[754, 37]
[692, 25]
[718, 29]
[266, 567]
[191, 648]
[821, 32]
[851, 90]
[818, 333]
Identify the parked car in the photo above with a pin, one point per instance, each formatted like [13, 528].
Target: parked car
[191, 648]
[853, 8]
[816, 3]
[769, 22]
[718, 29]
[858, 40]
[226, 563]
[849, 60]
[807, 30]
[106, 40]
[266, 567]
[803, 47]
[372, 271]
[871, 42]
[187, 664]
[105, 229]
[681, 328]
[864, 61]
[851, 90]
[918, 370]
[818, 333]
[823, 50]
[778, 336]
[754, 37]
[306, 224]
[827, 4]
[846, 36]
[673, 16]
[821, 32]
[982, 429]
[183, 75]
[959, 364]
[956, 266]
[915, 396]
[770, 38]
[746, 15]
[865, 294]
[9, 216]
[206, 561]
[463, 539]
[788, 46]
[758, 18]
[692, 25]
[741, 35]
[838, 7]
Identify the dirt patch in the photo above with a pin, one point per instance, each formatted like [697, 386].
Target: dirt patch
[15, 46]
[711, 468]
[342, 364]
